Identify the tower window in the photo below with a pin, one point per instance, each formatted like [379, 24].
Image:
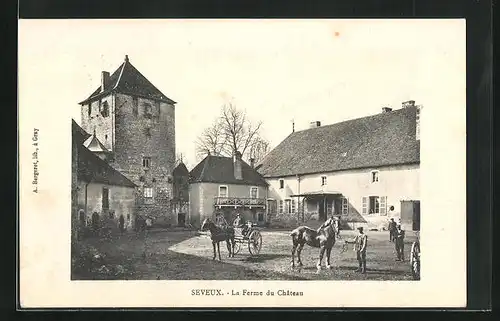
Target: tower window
[146, 162]
[105, 109]
[148, 112]
[90, 109]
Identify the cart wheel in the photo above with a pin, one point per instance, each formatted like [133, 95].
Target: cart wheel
[254, 242]
[415, 261]
[237, 247]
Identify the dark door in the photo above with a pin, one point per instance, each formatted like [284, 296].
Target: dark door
[416, 216]
[181, 219]
[321, 210]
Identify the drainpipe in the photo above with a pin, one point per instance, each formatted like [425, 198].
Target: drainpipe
[298, 198]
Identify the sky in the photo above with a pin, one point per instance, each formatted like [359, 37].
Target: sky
[276, 70]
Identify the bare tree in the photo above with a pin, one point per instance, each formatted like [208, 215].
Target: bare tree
[231, 132]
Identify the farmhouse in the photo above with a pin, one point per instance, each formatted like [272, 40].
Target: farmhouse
[100, 194]
[227, 185]
[357, 169]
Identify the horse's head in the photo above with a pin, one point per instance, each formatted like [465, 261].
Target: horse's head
[205, 224]
[328, 224]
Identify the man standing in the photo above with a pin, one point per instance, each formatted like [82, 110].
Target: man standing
[392, 229]
[122, 223]
[399, 235]
[360, 243]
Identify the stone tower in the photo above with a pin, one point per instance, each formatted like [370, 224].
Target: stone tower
[135, 123]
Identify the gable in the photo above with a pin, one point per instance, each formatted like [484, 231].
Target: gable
[128, 80]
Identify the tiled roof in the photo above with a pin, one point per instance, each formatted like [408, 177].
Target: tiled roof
[180, 170]
[79, 134]
[93, 169]
[128, 80]
[373, 141]
[218, 169]
[94, 145]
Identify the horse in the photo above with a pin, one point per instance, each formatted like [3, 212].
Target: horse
[323, 238]
[219, 234]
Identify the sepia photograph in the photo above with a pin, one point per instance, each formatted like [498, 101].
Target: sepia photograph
[245, 150]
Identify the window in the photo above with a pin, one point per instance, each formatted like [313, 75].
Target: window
[148, 112]
[329, 207]
[222, 191]
[90, 109]
[293, 206]
[105, 109]
[146, 162]
[128, 217]
[280, 208]
[345, 206]
[323, 180]
[135, 106]
[282, 184]
[374, 176]
[148, 192]
[261, 217]
[374, 205]
[105, 198]
[254, 192]
[288, 206]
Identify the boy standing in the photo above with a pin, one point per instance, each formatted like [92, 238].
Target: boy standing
[399, 235]
[360, 243]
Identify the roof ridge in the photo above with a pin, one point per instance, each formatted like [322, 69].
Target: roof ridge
[356, 119]
[121, 73]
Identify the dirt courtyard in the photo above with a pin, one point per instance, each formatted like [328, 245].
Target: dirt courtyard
[187, 255]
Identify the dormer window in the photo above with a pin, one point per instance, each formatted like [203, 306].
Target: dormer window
[148, 111]
[323, 180]
[282, 183]
[374, 176]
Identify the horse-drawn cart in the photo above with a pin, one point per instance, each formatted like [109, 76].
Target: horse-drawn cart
[250, 236]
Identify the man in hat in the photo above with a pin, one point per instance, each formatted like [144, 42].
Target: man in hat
[360, 243]
[399, 236]
[240, 223]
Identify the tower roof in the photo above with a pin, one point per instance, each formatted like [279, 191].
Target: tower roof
[94, 145]
[128, 80]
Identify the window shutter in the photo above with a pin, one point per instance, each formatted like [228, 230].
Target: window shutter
[345, 206]
[383, 205]
[365, 206]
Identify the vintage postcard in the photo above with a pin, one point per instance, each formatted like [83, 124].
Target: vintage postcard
[242, 163]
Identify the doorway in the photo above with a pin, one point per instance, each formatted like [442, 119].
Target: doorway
[416, 216]
[181, 219]
[321, 210]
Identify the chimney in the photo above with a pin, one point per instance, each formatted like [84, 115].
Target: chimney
[237, 165]
[252, 162]
[315, 124]
[126, 58]
[104, 80]
[386, 109]
[409, 103]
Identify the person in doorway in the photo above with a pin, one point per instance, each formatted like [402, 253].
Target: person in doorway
[399, 236]
[392, 229]
[122, 224]
[360, 243]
